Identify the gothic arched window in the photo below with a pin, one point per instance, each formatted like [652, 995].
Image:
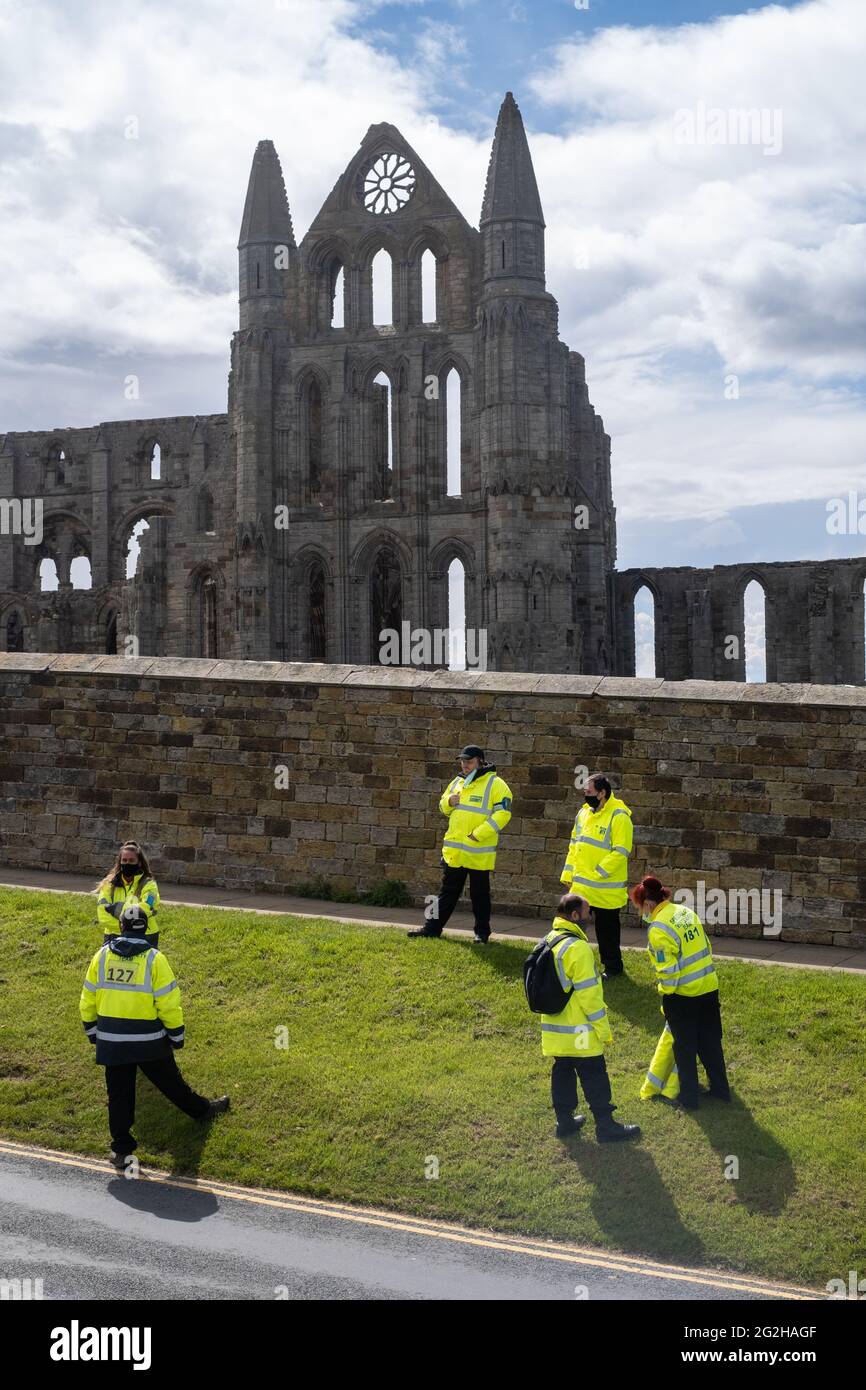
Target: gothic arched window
[314, 438]
[209, 630]
[204, 511]
[14, 632]
[317, 638]
[386, 600]
[383, 443]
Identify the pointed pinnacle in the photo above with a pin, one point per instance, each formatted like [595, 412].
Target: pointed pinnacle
[511, 191]
[266, 210]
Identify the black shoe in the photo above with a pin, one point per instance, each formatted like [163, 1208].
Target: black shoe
[480, 940]
[565, 1128]
[216, 1107]
[119, 1161]
[610, 1131]
[422, 931]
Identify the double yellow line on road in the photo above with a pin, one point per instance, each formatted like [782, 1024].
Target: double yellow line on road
[433, 1230]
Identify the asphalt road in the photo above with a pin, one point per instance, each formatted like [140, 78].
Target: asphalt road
[87, 1233]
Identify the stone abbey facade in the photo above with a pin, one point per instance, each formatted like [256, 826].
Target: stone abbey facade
[366, 455]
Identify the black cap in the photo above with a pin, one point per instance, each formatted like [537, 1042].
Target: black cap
[471, 751]
[133, 919]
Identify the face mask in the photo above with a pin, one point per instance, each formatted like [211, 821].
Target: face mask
[129, 870]
[592, 801]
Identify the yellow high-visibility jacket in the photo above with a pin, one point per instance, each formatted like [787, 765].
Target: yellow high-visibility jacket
[582, 1028]
[484, 809]
[680, 951]
[130, 1003]
[142, 888]
[596, 865]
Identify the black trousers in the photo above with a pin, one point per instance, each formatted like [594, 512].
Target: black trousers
[593, 1078]
[453, 881]
[166, 1077]
[696, 1023]
[606, 921]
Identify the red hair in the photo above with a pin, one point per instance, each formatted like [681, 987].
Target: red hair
[649, 887]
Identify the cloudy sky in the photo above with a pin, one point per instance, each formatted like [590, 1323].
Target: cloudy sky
[713, 277]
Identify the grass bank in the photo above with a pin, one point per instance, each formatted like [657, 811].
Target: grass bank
[354, 1056]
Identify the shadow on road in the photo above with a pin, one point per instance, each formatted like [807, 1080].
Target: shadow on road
[162, 1200]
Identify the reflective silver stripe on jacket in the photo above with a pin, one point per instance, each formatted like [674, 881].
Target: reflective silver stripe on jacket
[696, 975]
[599, 883]
[698, 955]
[587, 984]
[92, 988]
[668, 931]
[599, 1013]
[129, 1037]
[566, 1028]
[166, 989]
[558, 952]
[468, 849]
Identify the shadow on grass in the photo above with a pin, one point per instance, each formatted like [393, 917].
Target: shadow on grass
[631, 1202]
[766, 1177]
[162, 1128]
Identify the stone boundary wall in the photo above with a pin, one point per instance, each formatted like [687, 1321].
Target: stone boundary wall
[736, 787]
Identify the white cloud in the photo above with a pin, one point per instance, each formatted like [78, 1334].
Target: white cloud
[708, 260]
[701, 261]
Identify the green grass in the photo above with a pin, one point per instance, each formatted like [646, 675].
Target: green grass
[397, 1050]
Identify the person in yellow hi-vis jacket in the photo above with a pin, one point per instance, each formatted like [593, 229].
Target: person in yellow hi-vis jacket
[575, 1038]
[128, 881]
[478, 805]
[130, 1007]
[596, 865]
[687, 981]
[662, 1081]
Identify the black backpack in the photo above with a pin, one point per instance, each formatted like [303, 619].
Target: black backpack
[544, 993]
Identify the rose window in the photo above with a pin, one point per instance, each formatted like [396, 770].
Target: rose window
[388, 184]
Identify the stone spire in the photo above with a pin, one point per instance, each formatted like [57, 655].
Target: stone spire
[266, 210]
[267, 242]
[511, 191]
[512, 223]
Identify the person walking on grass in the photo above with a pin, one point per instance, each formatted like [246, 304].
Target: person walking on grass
[562, 969]
[687, 981]
[131, 1011]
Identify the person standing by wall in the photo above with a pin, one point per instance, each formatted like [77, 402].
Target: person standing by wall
[687, 981]
[477, 803]
[596, 865]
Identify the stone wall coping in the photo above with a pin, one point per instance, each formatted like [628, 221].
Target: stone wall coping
[408, 678]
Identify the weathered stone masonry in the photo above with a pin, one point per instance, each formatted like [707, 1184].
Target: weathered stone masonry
[743, 787]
